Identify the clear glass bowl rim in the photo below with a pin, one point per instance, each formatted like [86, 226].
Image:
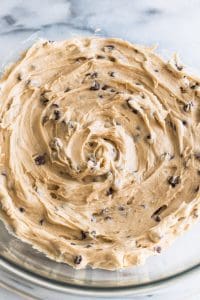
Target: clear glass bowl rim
[86, 289]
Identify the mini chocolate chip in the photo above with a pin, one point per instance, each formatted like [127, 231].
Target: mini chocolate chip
[157, 218]
[41, 221]
[78, 259]
[100, 57]
[135, 111]
[183, 90]
[160, 209]
[112, 59]
[105, 87]
[55, 105]
[3, 173]
[193, 87]
[113, 90]
[158, 249]
[100, 96]
[156, 71]
[28, 81]
[93, 75]
[66, 90]
[84, 235]
[107, 218]
[179, 68]
[110, 47]
[110, 191]
[81, 59]
[198, 172]
[95, 86]
[21, 209]
[40, 160]
[88, 246]
[19, 77]
[43, 100]
[148, 137]
[156, 214]
[138, 83]
[197, 156]
[112, 74]
[73, 244]
[196, 189]
[44, 119]
[174, 180]
[53, 195]
[57, 115]
[121, 208]
[184, 122]
[188, 106]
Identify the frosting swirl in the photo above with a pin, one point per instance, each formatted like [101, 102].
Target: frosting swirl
[99, 155]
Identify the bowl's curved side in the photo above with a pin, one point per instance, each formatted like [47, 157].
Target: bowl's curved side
[22, 281]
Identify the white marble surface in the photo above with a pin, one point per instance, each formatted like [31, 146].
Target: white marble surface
[173, 25]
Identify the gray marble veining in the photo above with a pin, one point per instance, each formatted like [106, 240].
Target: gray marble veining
[172, 24]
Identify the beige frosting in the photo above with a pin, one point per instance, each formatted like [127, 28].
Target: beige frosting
[99, 151]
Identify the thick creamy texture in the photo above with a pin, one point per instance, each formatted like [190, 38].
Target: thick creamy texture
[99, 151]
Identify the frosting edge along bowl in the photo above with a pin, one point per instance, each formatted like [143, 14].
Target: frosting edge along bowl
[30, 267]
[180, 260]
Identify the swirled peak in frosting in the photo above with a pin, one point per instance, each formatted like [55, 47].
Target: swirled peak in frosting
[99, 151]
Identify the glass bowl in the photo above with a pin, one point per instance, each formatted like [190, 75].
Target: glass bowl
[141, 22]
[32, 268]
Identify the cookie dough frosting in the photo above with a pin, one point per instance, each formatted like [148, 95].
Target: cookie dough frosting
[99, 151]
